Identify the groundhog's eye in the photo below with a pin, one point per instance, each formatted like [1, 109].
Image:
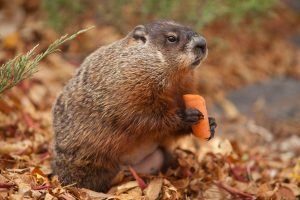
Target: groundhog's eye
[171, 39]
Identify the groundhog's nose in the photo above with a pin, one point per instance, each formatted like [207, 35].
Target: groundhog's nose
[200, 45]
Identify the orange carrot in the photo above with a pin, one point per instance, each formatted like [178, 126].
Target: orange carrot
[200, 130]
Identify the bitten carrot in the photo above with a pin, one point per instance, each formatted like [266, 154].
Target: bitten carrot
[200, 130]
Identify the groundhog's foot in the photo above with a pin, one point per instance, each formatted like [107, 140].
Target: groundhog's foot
[191, 116]
[213, 126]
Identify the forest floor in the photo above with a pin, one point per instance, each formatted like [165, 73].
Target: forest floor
[256, 151]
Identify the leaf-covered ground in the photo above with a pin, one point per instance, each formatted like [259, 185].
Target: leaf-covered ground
[248, 159]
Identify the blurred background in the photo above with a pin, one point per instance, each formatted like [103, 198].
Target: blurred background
[251, 78]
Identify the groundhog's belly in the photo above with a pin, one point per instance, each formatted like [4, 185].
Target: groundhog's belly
[151, 164]
[138, 152]
[145, 158]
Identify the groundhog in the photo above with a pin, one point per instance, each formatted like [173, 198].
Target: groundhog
[124, 106]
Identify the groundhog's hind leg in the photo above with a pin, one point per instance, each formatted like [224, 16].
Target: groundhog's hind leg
[170, 161]
[85, 176]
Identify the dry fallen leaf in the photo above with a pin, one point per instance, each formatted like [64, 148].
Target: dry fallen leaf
[283, 192]
[152, 192]
[11, 41]
[215, 193]
[97, 195]
[125, 187]
[17, 147]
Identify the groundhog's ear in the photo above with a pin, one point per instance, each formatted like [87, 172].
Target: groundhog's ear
[139, 33]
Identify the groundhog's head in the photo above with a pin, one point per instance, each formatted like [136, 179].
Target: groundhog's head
[179, 45]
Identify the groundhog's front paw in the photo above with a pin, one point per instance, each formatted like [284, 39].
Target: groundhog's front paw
[191, 116]
[212, 126]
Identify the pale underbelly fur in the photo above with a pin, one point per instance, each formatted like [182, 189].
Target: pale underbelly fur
[146, 159]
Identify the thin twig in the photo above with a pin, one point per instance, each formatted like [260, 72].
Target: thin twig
[7, 185]
[70, 185]
[138, 179]
[234, 191]
[41, 187]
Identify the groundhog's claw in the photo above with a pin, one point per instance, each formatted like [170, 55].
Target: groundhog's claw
[192, 116]
[213, 126]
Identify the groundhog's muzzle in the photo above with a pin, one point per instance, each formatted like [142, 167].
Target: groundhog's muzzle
[199, 48]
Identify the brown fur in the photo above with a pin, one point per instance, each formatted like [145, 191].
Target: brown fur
[124, 97]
